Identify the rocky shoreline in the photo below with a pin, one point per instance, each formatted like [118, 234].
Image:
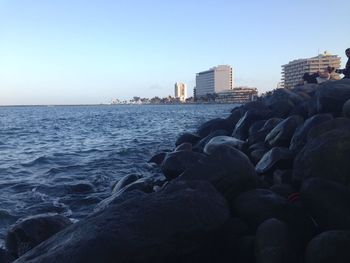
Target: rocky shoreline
[269, 183]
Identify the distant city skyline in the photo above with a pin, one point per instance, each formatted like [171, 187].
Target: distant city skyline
[89, 51]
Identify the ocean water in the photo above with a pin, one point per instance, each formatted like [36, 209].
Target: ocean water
[64, 159]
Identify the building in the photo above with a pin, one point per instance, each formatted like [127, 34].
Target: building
[294, 70]
[237, 95]
[213, 80]
[180, 91]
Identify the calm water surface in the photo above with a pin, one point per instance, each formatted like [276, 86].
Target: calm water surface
[64, 159]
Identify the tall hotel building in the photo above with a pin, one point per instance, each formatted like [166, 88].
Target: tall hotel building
[294, 70]
[213, 80]
[180, 91]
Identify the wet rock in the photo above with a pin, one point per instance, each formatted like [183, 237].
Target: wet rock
[187, 137]
[158, 158]
[283, 132]
[326, 156]
[150, 228]
[330, 246]
[257, 205]
[176, 163]
[126, 180]
[324, 127]
[260, 135]
[300, 136]
[277, 157]
[31, 231]
[275, 244]
[213, 125]
[241, 130]
[199, 147]
[186, 146]
[327, 202]
[5, 256]
[346, 109]
[331, 96]
[223, 140]
[228, 169]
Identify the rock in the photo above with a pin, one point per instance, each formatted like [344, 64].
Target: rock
[277, 157]
[5, 256]
[326, 156]
[330, 246]
[282, 176]
[327, 202]
[80, 188]
[241, 130]
[199, 147]
[158, 158]
[126, 180]
[300, 136]
[258, 105]
[186, 146]
[245, 250]
[258, 146]
[282, 102]
[283, 132]
[256, 155]
[228, 169]
[213, 125]
[331, 96]
[346, 109]
[309, 89]
[255, 206]
[28, 232]
[284, 190]
[302, 109]
[256, 126]
[223, 140]
[261, 134]
[275, 244]
[150, 228]
[324, 127]
[187, 137]
[176, 163]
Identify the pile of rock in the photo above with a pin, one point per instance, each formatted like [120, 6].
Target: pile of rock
[270, 183]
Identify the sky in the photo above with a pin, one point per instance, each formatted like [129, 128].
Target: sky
[91, 51]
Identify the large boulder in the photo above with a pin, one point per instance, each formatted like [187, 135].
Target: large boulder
[228, 169]
[283, 132]
[331, 96]
[31, 231]
[277, 157]
[275, 244]
[213, 125]
[166, 226]
[330, 246]
[346, 109]
[327, 202]
[282, 102]
[187, 137]
[241, 130]
[176, 163]
[300, 136]
[256, 206]
[324, 127]
[199, 147]
[223, 140]
[326, 156]
[261, 134]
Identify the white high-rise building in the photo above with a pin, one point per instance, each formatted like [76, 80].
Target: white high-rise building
[180, 91]
[214, 80]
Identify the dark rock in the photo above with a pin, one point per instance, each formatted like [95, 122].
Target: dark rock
[327, 202]
[80, 188]
[326, 156]
[158, 158]
[282, 176]
[223, 140]
[302, 109]
[331, 96]
[187, 137]
[255, 206]
[126, 180]
[284, 190]
[324, 127]
[213, 125]
[346, 109]
[31, 231]
[143, 184]
[241, 130]
[300, 136]
[258, 105]
[245, 250]
[260, 135]
[275, 244]
[176, 163]
[5, 256]
[258, 146]
[282, 102]
[256, 126]
[228, 169]
[330, 246]
[309, 89]
[277, 157]
[186, 146]
[256, 155]
[283, 132]
[150, 228]
[201, 144]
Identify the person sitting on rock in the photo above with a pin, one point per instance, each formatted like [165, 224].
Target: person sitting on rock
[346, 70]
[319, 76]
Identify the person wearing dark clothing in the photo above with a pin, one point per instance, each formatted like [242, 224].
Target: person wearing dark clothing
[319, 76]
[346, 70]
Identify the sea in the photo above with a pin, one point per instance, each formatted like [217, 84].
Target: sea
[65, 159]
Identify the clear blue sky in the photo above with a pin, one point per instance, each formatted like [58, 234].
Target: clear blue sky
[90, 51]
